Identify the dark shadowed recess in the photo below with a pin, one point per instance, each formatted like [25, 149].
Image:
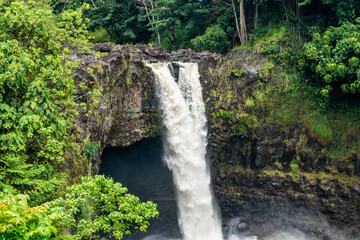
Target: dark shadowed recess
[141, 169]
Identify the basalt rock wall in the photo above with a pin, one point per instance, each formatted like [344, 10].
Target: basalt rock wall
[116, 93]
[261, 170]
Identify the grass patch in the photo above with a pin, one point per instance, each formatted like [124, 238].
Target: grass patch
[266, 35]
[231, 168]
[99, 35]
[337, 129]
[295, 170]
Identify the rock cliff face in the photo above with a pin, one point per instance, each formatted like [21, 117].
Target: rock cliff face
[265, 171]
[117, 94]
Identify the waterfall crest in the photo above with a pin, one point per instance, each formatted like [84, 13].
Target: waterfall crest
[183, 113]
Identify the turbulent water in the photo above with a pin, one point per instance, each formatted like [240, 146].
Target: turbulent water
[183, 114]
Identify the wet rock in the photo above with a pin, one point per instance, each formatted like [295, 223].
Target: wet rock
[307, 156]
[269, 146]
[206, 63]
[104, 47]
[341, 166]
[321, 162]
[175, 70]
[356, 159]
[150, 53]
[290, 149]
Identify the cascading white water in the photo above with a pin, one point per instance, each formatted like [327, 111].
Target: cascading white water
[183, 113]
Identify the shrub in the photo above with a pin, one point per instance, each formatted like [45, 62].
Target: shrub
[37, 89]
[99, 35]
[214, 39]
[20, 221]
[98, 205]
[333, 59]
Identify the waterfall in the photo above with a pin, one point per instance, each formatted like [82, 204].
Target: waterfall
[183, 113]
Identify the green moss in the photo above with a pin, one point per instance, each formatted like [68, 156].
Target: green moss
[273, 34]
[132, 112]
[228, 169]
[229, 114]
[238, 71]
[286, 102]
[294, 166]
[127, 79]
[267, 71]
[146, 71]
[98, 67]
[278, 165]
[239, 128]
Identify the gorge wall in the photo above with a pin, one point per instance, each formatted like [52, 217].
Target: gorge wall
[262, 169]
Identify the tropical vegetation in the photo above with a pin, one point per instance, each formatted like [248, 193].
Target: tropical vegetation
[37, 109]
[315, 44]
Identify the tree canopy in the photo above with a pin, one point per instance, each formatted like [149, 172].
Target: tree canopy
[333, 59]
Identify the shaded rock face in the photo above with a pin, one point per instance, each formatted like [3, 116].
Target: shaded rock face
[269, 146]
[175, 70]
[355, 158]
[269, 211]
[126, 111]
[281, 201]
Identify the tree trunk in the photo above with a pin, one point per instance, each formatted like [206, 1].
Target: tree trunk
[298, 17]
[236, 20]
[159, 37]
[256, 18]
[168, 35]
[172, 33]
[151, 21]
[93, 3]
[243, 30]
[153, 5]
[285, 11]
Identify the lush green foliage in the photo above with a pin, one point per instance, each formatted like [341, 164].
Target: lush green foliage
[99, 35]
[91, 149]
[37, 110]
[286, 101]
[37, 89]
[20, 221]
[223, 114]
[38, 105]
[342, 10]
[87, 210]
[117, 21]
[333, 59]
[214, 40]
[276, 44]
[176, 22]
[98, 205]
